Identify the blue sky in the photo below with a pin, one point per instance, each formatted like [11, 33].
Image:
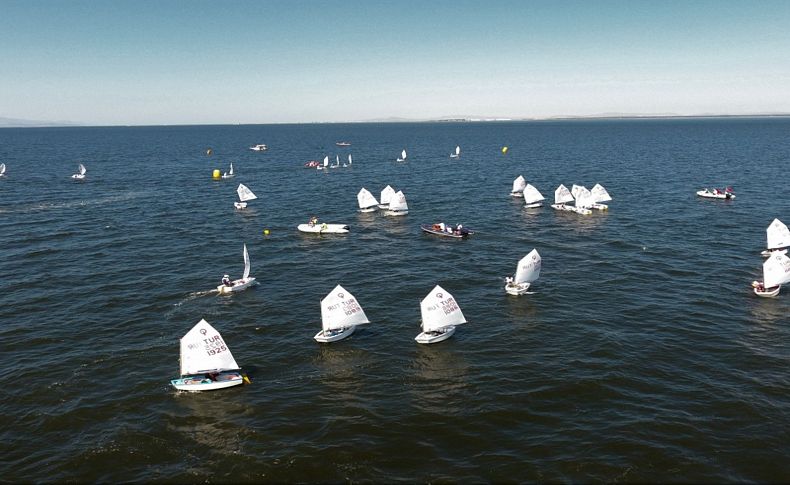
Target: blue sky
[182, 62]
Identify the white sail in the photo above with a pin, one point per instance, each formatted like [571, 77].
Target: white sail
[599, 194]
[245, 193]
[562, 195]
[532, 195]
[776, 270]
[778, 235]
[528, 269]
[349, 159]
[457, 150]
[398, 202]
[326, 161]
[81, 169]
[246, 263]
[366, 199]
[575, 189]
[339, 309]
[519, 184]
[2, 168]
[584, 198]
[387, 194]
[440, 310]
[203, 350]
[230, 172]
[403, 154]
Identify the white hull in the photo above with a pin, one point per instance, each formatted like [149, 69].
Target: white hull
[582, 211]
[768, 252]
[323, 228]
[396, 213]
[369, 209]
[400, 160]
[202, 383]
[710, 195]
[238, 285]
[600, 207]
[768, 294]
[240, 205]
[78, 176]
[435, 337]
[326, 336]
[228, 176]
[384, 206]
[452, 155]
[259, 148]
[517, 194]
[533, 205]
[516, 288]
[562, 207]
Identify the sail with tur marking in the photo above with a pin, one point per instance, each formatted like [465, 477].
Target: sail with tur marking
[340, 309]
[203, 350]
[439, 309]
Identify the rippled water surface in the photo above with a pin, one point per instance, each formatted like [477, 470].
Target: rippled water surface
[642, 356]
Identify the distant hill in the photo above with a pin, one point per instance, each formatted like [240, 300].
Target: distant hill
[19, 123]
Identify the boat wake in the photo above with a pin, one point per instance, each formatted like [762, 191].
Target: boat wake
[191, 296]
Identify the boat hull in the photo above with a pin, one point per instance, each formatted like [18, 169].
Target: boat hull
[240, 205]
[710, 195]
[769, 292]
[369, 209]
[238, 285]
[435, 337]
[533, 205]
[228, 176]
[325, 336]
[78, 176]
[517, 194]
[429, 228]
[516, 289]
[600, 207]
[323, 228]
[769, 252]
[396, 213]
[199, 383]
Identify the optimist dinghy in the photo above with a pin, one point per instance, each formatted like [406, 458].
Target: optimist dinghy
[80, 175]
[584, 201]
[519, 184]
[447, 230]
[776, 272]
[240, 284]
[229, 174]
[325, 165]
[440, 315]
[778, 237]
[599, 194]
[245, 194]
[398, 205]
[206, 361]
[2, 169]
[340, 314]
[527, 271]
[386, 196]
[532, 197]
[402, 157]
[457, 152]
[366, 201]
[717, 193]
[561, 197]
[323, 228]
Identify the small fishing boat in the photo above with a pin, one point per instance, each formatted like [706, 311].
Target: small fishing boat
[343, 144]
[717, 193]
[440, 315]
[314, 227]
[561, 198]
[206, 361]
[229, 174]
[457, 152]
[240, 284]
[447, 230]
[2, 169]
[532, 197]
[402, 157]
[599, 194]
[245, 195]
[398, 205]
[340, 315]
[519, 184]
[386, 196]
[259, 148]
[527, 271]
[80, 175]
[776, 272]
[778, 237]
[366, 201]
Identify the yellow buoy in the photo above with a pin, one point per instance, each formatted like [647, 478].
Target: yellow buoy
[504, 150]
[265, 232]
[216, 174]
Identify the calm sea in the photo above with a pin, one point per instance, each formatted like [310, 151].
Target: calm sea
[642, 356]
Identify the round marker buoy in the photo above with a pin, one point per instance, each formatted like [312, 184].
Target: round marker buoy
[215, 174]
[265, 232]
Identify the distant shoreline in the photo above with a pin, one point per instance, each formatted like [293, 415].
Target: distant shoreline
[604, 117]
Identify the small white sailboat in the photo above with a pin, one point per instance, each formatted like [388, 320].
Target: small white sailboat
[778, 237]
[599, 194]
[402, 157]
[80, 175]
[206, 361]
[242, 283]
[532, 197]
[245, 195]
[325, 165]
[2, 169]
[727, 193]
[386, 196]
[776, 272]
[340, 315]
[527, 271]
[349, 162]
[366, 201]
[398, 205]
[519, 184]
[337, 162]
[440, 315]
[229, 174]
[457, 152]
[561, 198]
[584, 201]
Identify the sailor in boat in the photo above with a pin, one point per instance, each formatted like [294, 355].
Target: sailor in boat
[226, 281]
[313, 221]
[759, 287]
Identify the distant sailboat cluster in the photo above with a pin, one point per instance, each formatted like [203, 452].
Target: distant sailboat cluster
[776, 269]
[584, 200]
[393, 203]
